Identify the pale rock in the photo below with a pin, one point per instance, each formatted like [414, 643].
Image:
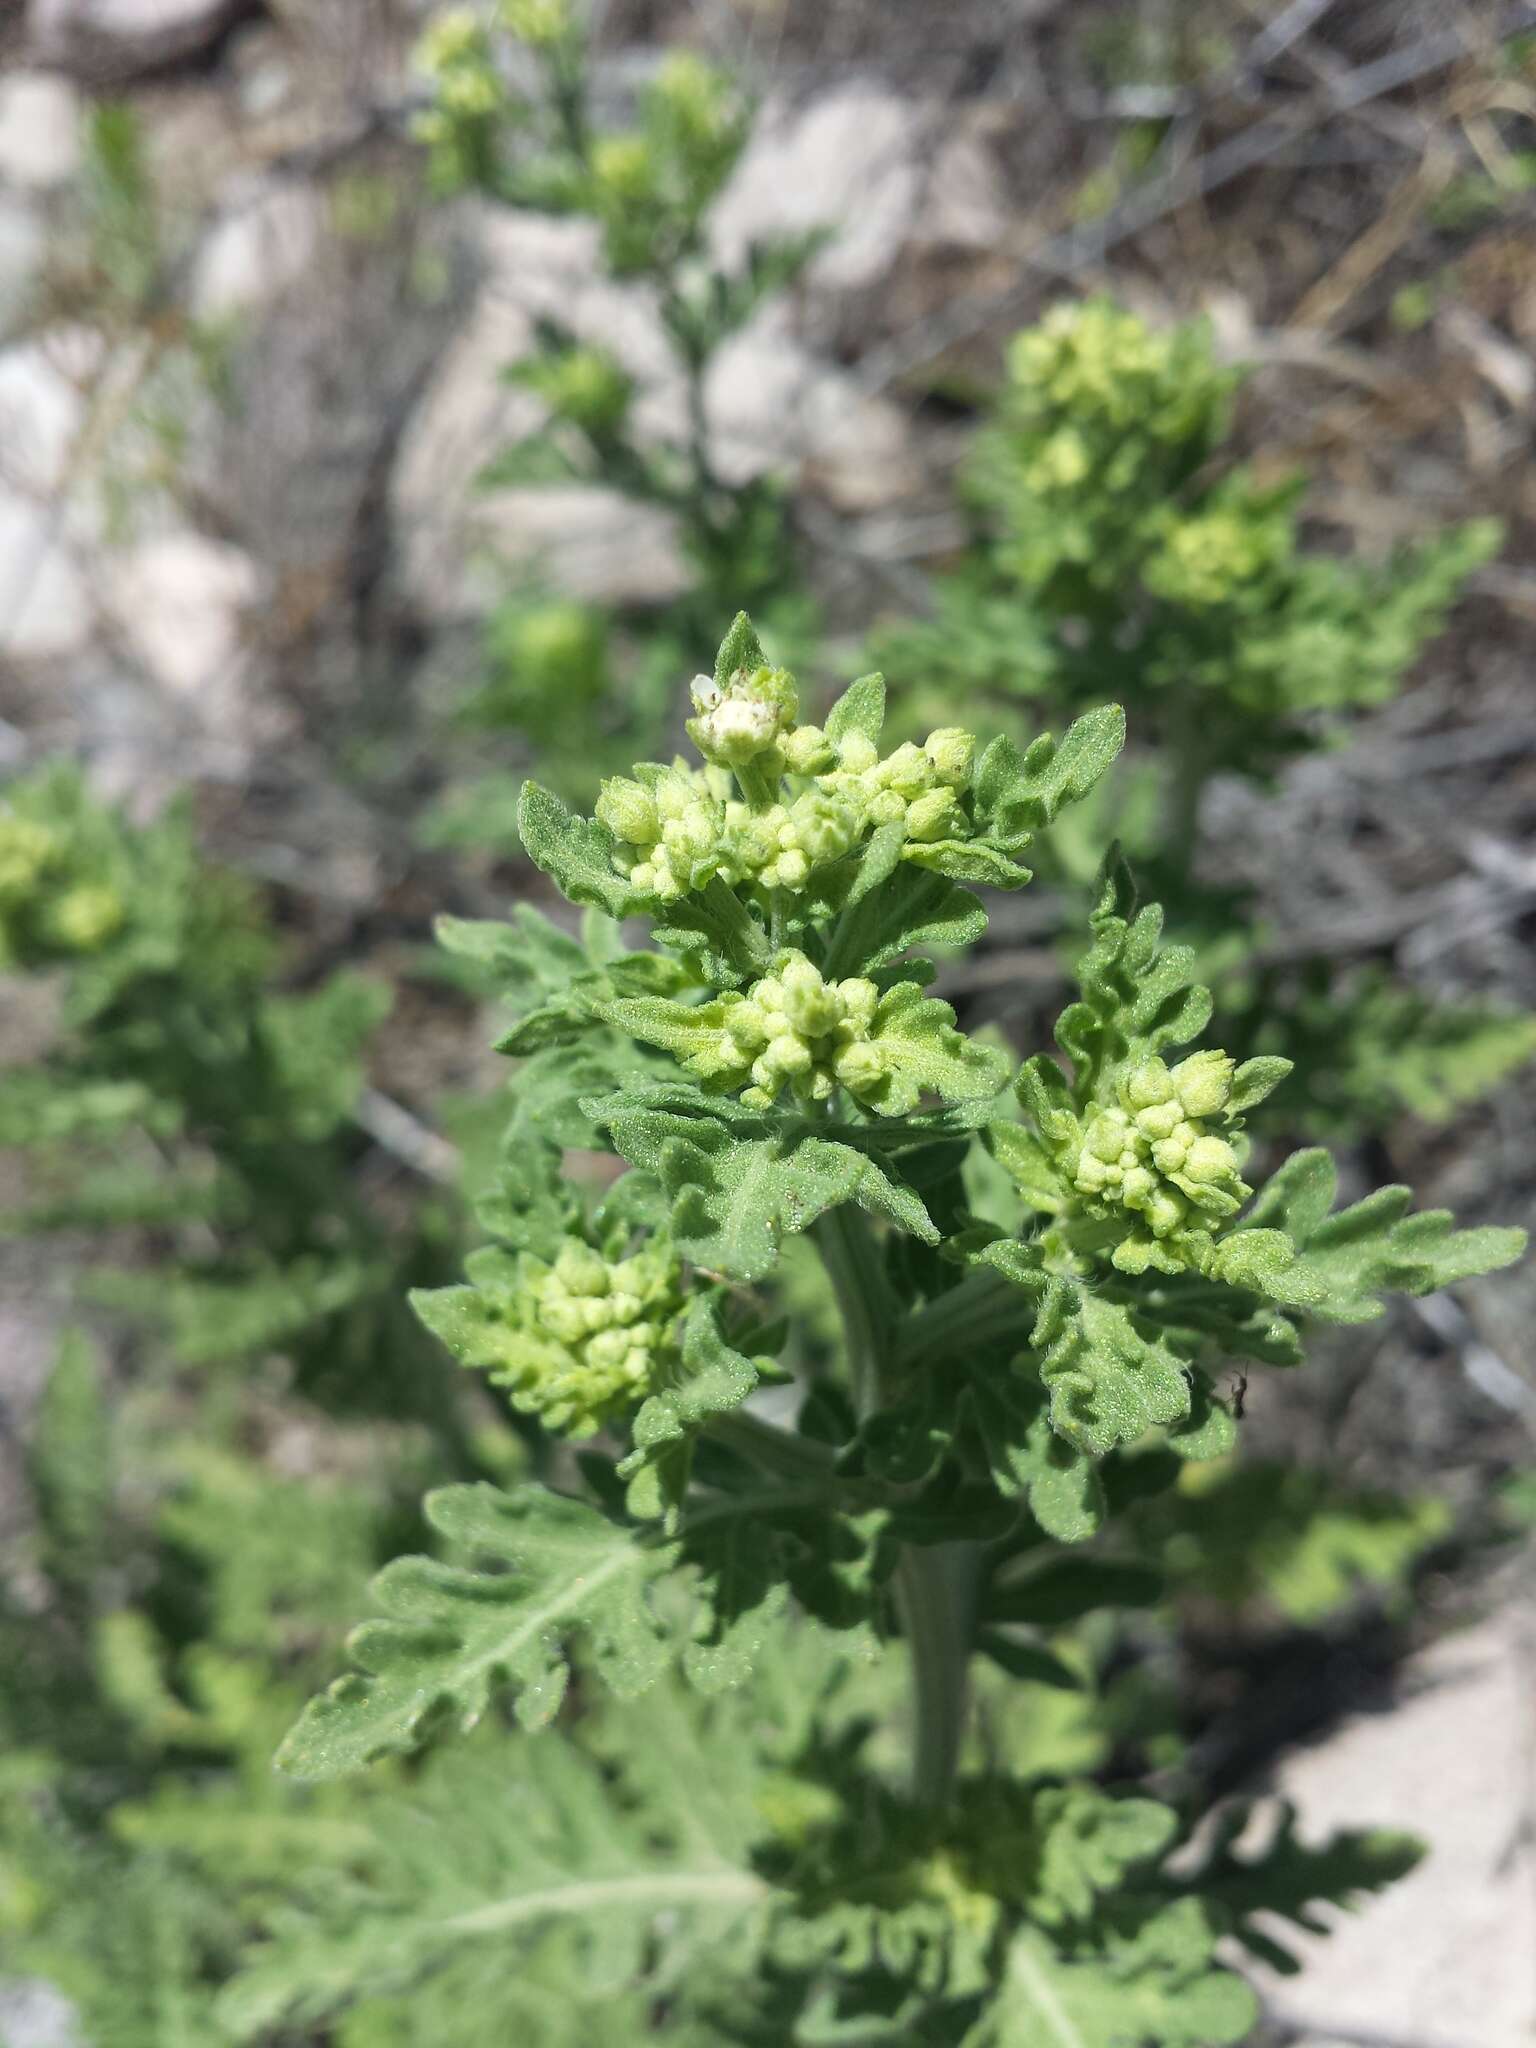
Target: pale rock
[116, 39]
[1445, 1957]
[590, 541]
[964, 205]
[772, 405]
[42, 408]
[45, 604]
[21, 251]
[457, 546]
[266, 242]
[851, 160]
[35, 2015]
[182, 604]
[39, 130]
[551, 268]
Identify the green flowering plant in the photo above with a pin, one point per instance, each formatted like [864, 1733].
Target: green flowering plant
[514, 116]
[1116, 532]
[1118, 547]
[1038, 1275]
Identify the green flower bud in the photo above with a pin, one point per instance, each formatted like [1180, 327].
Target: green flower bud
[811, 1006]
[456, 38]
[823, 828]
[932, 816]
[1148, 1085]
[629, 811]
[1210, 1160]
[1203, 1083]
[1165, 1212]
[951, 752]
[807, 750]
[1169, 1154]
[857, 753]
[908, 771]
[858, 998]
[860, 1068]
[1106, 1137]
[1160, 1121]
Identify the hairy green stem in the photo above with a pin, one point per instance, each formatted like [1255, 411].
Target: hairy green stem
[934, 1584]
[935, 1597]
[852, 1259]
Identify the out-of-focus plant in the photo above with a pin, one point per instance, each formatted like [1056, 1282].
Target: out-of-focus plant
[189, 1101]
[588, 686]
[1119, 550]
[110, 283]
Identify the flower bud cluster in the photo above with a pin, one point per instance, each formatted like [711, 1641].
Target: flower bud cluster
[1150, 1151]
[672, 831]
[1240, 538]
[918, 788]
[605, 1333]
[678, 831]
[584, 385]
[795, 1030]
[1102, 420]
[1100, 365]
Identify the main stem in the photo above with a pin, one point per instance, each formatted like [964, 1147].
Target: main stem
[934, 1583]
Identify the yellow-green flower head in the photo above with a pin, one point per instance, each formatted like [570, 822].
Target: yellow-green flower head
[539, 23]
[746, 719]
[1093, 358]
[1207, 559]
[691, 89]
[577, 1338]
[1150, 1151]
[559, 644]
[795, 1030]
[85, 917]
[1093, 370]
[623, 170]
[27, 849]
[456, 40]
[586, 386]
